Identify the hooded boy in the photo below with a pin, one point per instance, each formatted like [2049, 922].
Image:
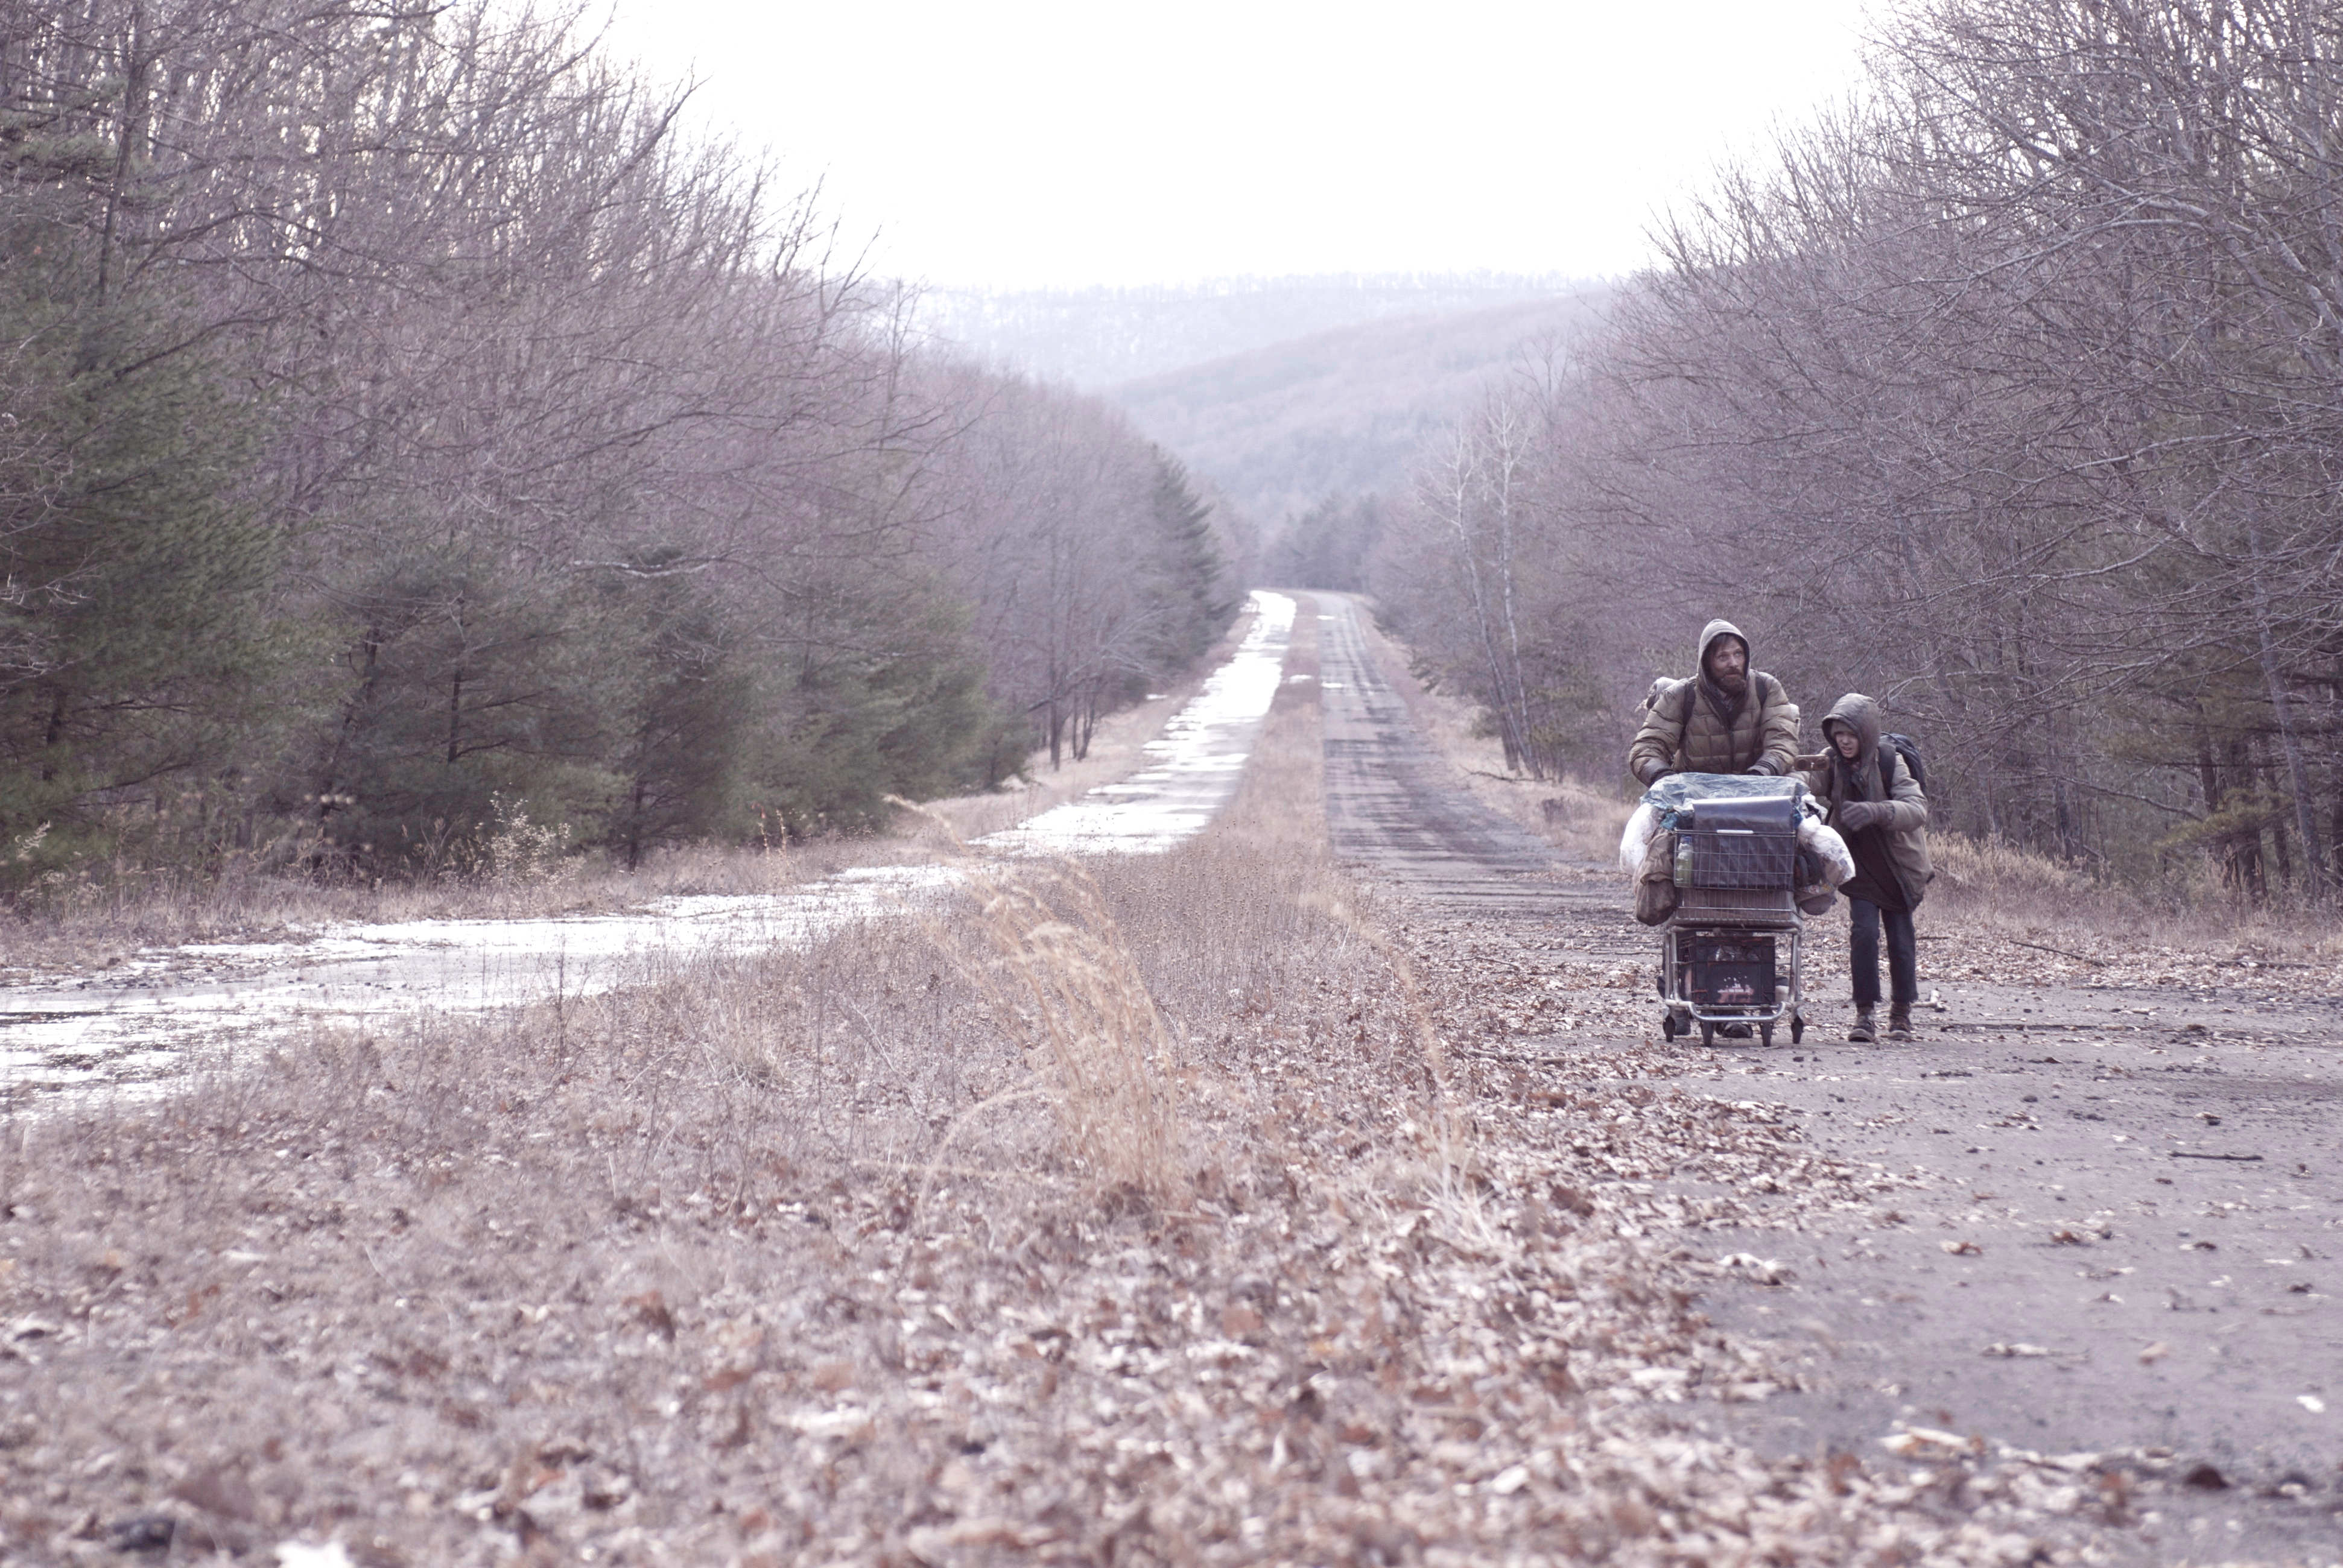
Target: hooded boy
[1879, 809]
[1726, 718]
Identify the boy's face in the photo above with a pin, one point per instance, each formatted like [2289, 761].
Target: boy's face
[1847, 740]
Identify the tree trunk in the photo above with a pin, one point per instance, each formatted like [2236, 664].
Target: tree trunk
[454, 718]
[635, 828]
[2298, 777]
[133, 92]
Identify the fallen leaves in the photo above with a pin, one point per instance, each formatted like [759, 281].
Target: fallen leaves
[936, 1544]
[1755, 1269]
[1400, 1314]
[1920, 1443]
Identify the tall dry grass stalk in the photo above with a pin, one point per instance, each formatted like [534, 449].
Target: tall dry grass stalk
[1044, 951]
[1063, 984]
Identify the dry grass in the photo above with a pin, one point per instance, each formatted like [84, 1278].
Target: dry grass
[830, 1257]
[1059, 978]
[2014, 916]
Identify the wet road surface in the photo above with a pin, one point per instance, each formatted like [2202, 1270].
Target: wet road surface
[1398, 812]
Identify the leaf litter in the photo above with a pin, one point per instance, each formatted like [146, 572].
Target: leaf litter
[838, 1257]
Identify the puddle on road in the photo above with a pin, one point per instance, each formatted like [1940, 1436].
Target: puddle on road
[1197, 761]
[135, 1026]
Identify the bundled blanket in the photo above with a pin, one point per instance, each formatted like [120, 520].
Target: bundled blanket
[1664, 809]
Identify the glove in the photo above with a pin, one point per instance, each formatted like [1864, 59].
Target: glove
[1853, 816]
[1764, 768]
[1656, 775]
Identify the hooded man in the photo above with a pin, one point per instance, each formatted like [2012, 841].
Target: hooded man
[1881, 812]
[1726, 718]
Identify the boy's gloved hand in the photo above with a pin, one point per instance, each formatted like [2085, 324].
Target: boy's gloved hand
[1853, 816]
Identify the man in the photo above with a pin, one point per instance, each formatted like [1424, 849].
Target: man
[1881, 812]
[1726, 718]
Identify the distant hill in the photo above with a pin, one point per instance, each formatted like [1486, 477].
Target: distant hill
[1098, 338]
[1280, 426]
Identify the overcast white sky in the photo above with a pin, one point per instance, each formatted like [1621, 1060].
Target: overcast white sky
[1021, 143]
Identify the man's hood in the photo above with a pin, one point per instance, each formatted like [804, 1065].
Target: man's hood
[1860, 714]
[1708, 636]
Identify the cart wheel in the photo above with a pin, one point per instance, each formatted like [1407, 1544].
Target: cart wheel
[1797, 1028]
[1707, 1032]
[1667, 1026]
[1765, 1034]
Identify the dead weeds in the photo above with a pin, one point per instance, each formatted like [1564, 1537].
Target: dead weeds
[803, 1259]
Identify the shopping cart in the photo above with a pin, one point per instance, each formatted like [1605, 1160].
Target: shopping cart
[1730, 955]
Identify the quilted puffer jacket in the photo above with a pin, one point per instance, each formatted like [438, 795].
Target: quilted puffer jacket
[1692, 728]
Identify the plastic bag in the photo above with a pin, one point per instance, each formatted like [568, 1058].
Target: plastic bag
[1637, 839]
[1677, 791]
[1838, 861]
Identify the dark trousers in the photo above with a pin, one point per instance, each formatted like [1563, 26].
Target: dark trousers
[1863, 954]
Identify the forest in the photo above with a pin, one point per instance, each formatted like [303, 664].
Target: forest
[408, 422]
[2009, 391]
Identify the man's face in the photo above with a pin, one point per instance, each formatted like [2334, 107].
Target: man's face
[1848, 741]
[1729, 662]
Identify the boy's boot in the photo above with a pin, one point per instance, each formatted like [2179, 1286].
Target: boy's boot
[1863, 1032]
[1899, 1021]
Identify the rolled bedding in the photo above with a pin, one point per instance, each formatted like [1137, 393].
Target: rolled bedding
[1636, 841]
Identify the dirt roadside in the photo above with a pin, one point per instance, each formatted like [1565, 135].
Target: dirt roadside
[2106, 1222]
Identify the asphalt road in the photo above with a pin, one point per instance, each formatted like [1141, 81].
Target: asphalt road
[1395, 808]
[2126, 1232]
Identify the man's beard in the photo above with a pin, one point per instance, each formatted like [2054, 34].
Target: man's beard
[1733, 685]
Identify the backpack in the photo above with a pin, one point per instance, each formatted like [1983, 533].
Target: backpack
[1909, 751]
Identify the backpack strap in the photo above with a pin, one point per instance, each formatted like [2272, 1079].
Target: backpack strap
[1675, 704]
